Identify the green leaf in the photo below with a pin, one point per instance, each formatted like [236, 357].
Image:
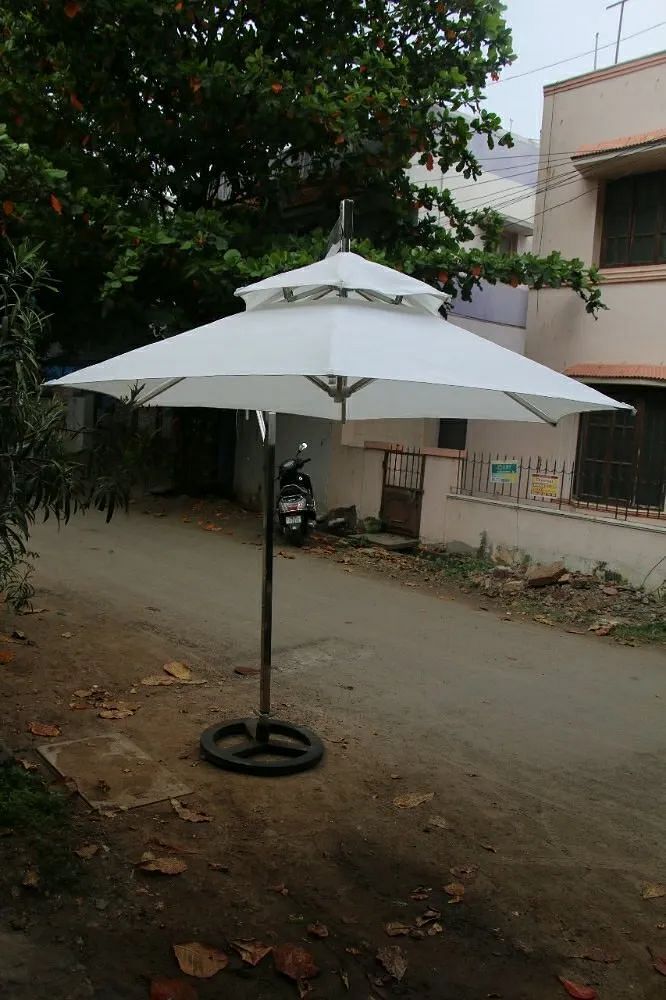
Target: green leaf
[232, 258]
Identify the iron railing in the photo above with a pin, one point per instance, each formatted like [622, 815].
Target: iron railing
[561, 484]
[404, 468]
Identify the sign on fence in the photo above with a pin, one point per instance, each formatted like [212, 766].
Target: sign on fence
[545, 485]
[504, 472]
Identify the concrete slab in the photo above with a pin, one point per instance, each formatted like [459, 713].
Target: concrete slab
[394, 543]
[112, 772]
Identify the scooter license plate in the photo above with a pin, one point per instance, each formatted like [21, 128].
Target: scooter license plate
[293, 520]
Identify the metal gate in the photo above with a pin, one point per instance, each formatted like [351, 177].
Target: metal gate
[402, 491]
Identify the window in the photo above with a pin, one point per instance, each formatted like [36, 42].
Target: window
[621, 455]
[508, 242]
[452, 434]
[635, 221]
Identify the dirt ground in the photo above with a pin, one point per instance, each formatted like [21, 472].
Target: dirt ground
[546, 807]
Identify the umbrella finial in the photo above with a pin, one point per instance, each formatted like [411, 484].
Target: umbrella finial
[341, 234]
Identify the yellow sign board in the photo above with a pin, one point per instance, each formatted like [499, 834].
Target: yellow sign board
[545, 485]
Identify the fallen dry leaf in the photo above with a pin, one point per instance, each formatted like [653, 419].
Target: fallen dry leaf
[6, 656]
[44, 729]
[318, 930]
[82, 693]
[215, 866]
[167, 845]
[659, 963]
[420, 893]
[247, 671]
[489, 847]
[162, 866]
[286, 555]
[577, 991]
[345, 979]
[66, 635]
[397, 929]
[653, 890]
[394, 960]
[456, 890]
[31, 879]
[87, 851]
[179, 670]
[413, 799]
[189, 815]
[280, 888]
[27, 765]
[158, 680]
[597, 955]
[463, 872]
[162, 988]
[295, 962]
[200, 960]
[427, 917]
[434, 928]
[251, 951]
[305, 988]
[438, 822]
[115, 713]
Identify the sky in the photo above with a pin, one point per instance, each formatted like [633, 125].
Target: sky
[546, 31]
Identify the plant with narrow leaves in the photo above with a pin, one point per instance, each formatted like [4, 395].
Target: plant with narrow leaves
[36, 474]
[39, 477]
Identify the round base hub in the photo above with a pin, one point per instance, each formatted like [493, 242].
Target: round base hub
[257, 751]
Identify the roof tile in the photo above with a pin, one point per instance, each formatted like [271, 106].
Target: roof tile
[623, 142]
[655, 373]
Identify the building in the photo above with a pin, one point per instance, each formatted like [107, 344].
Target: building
[602, 198]
[593, 489]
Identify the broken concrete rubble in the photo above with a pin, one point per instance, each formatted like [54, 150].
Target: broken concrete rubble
[542, 576]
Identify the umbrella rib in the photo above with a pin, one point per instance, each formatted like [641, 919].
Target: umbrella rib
[321, 385]
[355, 386]
[159, 390]
[532, 409]
[310, 293]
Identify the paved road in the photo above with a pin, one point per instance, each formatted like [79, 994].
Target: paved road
[567, 730]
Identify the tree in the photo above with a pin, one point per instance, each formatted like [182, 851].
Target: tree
[197, 145]
[39, 476]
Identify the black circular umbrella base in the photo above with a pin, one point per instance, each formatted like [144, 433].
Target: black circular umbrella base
[257, 752]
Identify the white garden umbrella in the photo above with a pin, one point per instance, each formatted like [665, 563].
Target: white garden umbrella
[343, 339]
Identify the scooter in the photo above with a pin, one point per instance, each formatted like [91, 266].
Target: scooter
[296, 509]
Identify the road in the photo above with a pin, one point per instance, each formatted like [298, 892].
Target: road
[570, 728]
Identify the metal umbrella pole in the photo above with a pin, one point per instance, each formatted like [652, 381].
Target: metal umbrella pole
[258, 751]
[270, 426]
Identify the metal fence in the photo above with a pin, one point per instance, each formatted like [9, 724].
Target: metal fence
[548, 482]
[404, 468]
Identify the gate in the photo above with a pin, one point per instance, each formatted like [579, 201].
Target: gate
[402, 491]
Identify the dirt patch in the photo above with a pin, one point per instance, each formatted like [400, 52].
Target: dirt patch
[329, 847]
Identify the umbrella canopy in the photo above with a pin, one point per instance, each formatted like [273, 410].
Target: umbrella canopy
[342, 339]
